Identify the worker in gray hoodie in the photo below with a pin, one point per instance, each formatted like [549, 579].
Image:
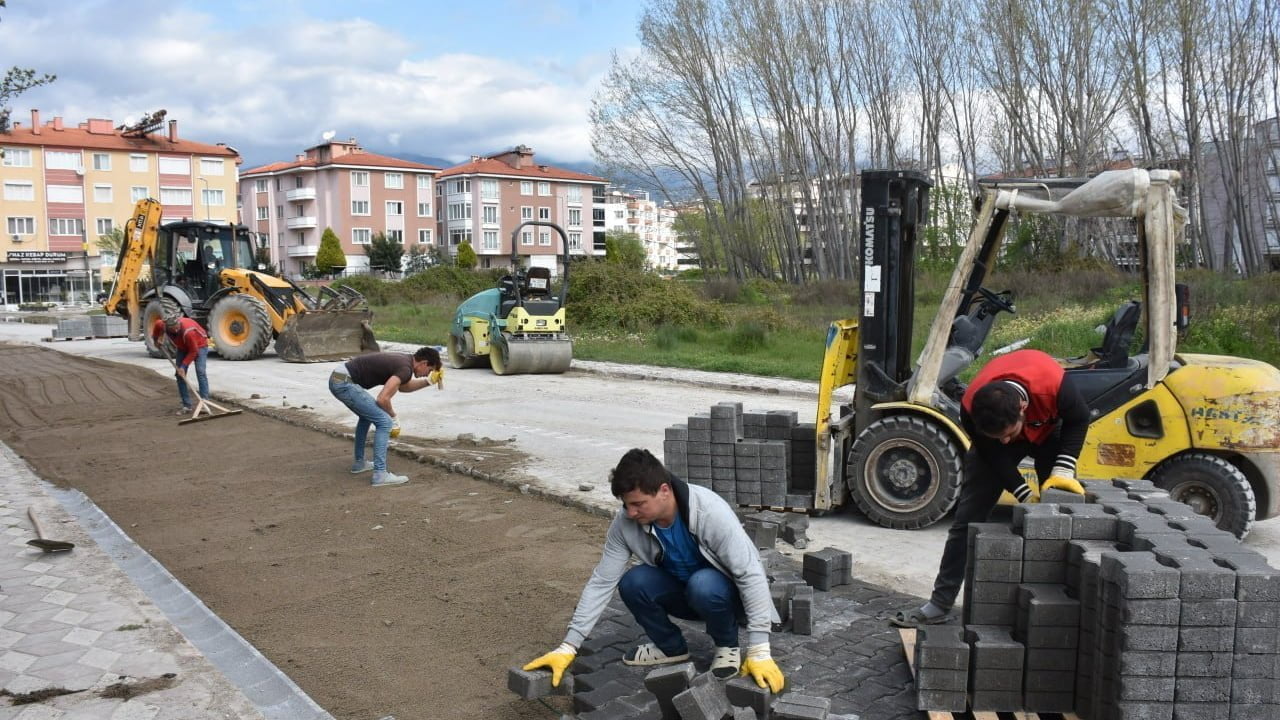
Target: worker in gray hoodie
[695, 563]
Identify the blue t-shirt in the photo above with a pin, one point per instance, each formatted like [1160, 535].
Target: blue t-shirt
[680, 554]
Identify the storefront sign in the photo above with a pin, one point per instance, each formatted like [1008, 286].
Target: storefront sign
[36, 257]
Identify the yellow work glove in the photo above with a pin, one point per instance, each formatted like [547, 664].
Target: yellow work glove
[1062, 482]
[557, 661]
[437, 378]
[761, 667]
[395, 428]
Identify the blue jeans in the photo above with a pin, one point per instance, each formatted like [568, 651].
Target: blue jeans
[360, 402]
[653, 595]
[202, 356]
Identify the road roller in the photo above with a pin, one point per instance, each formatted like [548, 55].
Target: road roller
[519, 326]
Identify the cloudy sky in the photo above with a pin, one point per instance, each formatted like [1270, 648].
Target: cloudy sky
[268, 77]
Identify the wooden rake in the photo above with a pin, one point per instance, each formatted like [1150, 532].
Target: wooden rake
[204, 409]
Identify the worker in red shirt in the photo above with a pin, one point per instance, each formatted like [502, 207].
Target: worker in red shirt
[191, 344]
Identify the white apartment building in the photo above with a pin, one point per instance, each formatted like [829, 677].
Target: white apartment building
[632, 211]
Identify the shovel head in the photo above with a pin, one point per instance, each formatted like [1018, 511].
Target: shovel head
[326, 335]
[51, 545]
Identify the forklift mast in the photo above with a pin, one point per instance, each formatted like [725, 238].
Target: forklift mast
[895, 210]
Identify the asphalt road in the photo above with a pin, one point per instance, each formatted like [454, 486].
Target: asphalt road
[572, 428]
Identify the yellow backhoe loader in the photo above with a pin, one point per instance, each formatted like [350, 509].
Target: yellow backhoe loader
[206, 271]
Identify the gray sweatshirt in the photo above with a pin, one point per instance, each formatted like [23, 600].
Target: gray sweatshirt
[720, 538]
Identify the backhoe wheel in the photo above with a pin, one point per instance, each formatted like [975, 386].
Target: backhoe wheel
[904, 471]
[461, 352]
[240, 327]
[1212, 487]
[156, 310]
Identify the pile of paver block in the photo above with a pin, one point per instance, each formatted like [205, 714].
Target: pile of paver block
[108, 326]
[754, 459]
[1128, 606]
[73, 327]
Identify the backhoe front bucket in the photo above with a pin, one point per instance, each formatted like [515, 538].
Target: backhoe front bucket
[326, 335]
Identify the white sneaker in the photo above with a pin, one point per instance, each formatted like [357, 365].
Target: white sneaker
[361, 467]
[384, 478]
[726, 663]
[649, 654]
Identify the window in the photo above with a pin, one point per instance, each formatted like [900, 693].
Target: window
[17, 157]
[101, 161]
[263, 212]
[424, 209]
[260, 186]
[460, 211]
[575, 241]
[526, 187]
[424, 237]
[395, 207]
[526, 238]
[102, 193]
[21, 226]
[139, 192]
[211, 166]
[61, 160]
[575, 217]
[19, 191]
[175, 196]
[396, 236]
[489, 189]
[526, 212]
[175, 166]
[573, 193]
[490, 240]
[212, 197]
[359, 178]
[490, 214]
[361, 236]
[359, 207]
[138, 163]
[597, 215]
[424, 182]
[457, 237]
[393, 181]
[66, 226]
[65, 194]
[544, 213]
[279, 211]
[544, 188]
[297, 182]
[544, 238]
[105, 226]
[460, 186]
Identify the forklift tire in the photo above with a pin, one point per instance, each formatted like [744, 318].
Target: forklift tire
[904, 472]
[156, 310]
[240, 327]
[1213, 487]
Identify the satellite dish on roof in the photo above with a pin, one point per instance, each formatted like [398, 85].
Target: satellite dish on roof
[328, 135]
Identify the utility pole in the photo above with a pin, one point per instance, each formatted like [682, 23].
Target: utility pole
[205, 198]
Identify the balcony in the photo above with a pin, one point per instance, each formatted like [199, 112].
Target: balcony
[301, 222]
[302, 250]
[302, 193]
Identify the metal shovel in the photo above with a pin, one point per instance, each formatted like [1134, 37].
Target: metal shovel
[41, 541]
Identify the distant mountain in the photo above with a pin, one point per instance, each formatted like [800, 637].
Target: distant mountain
[583, 167]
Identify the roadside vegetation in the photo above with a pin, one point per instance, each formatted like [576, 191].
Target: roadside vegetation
[621, 314]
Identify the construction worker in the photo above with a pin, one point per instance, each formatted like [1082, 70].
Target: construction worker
[695, 562]
[191, 345]
[395, 372]
[1021, 404]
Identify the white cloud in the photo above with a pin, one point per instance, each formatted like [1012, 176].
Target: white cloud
[272, 90]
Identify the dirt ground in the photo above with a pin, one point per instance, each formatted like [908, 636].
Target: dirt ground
[409, 601]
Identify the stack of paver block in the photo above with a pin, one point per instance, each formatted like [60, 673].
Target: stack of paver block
[1127, 606]
[752, 459]
[108, 326]
[942, 667]
[73, 327]
[827, 568]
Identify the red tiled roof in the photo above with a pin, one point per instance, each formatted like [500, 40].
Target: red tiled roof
[490, 166]
[74, 137]
[364, 159]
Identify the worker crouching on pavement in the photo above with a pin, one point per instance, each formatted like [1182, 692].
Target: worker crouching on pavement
[395, 372]
[191, 345]
[696, 563]
[1021, 404]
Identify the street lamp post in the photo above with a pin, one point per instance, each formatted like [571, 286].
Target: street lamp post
[205, 198]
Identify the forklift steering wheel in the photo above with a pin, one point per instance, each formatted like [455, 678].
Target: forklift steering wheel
[998, 300]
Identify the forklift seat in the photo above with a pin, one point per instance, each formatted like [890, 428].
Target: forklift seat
[1118, 336]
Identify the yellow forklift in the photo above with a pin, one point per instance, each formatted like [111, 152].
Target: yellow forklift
[1205, 427]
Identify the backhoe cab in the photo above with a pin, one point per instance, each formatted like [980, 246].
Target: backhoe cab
[207, 272]
[1202, 426]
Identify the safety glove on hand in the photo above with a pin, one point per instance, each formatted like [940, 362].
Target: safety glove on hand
[557, 661]
[1058, 481]
[760, 666]
[395, 428]
[437, 378]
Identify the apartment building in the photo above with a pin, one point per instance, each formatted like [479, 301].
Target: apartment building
[1253, 218]
[483, 201]
[632, 211]
[64, 186]
[338, 185]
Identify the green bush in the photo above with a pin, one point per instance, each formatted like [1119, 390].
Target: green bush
[747, 337]
[330, 254]
[668, 337]
[613, 296]
[451, 279]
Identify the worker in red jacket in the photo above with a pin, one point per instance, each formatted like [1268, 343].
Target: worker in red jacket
[1021, 404]
[191, 345]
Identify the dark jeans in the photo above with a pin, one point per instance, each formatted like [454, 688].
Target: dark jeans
[202, 378]
[653, 595]
[979, 494]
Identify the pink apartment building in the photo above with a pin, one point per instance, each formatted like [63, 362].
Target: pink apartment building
[338, 185]
[485, 200]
